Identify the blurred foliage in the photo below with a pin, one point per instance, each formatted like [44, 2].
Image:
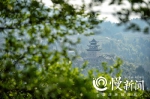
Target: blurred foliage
[29, 66]
[140, 8]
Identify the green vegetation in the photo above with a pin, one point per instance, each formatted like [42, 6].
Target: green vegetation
[31, 68]
[133, 48]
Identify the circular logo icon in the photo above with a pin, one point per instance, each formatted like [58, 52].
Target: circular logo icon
[97, 83]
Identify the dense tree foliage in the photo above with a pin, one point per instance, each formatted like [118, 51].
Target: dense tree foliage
[30, 68]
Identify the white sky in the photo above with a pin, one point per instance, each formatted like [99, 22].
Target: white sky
[106, 11]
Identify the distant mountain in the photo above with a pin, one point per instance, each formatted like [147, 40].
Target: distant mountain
[109, 29]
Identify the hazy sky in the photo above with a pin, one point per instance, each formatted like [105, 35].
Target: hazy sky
[106, 11]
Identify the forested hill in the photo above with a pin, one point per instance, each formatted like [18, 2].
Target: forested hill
[132, 47]
[109, 29]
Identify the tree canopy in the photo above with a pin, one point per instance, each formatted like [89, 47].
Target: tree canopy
[31, 65]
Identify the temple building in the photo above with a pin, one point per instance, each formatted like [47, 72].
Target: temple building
[93, 52]
[93, 55]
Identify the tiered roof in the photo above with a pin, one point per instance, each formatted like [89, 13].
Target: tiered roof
[93, 46]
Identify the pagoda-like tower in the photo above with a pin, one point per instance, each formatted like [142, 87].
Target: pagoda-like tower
[93, 49]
